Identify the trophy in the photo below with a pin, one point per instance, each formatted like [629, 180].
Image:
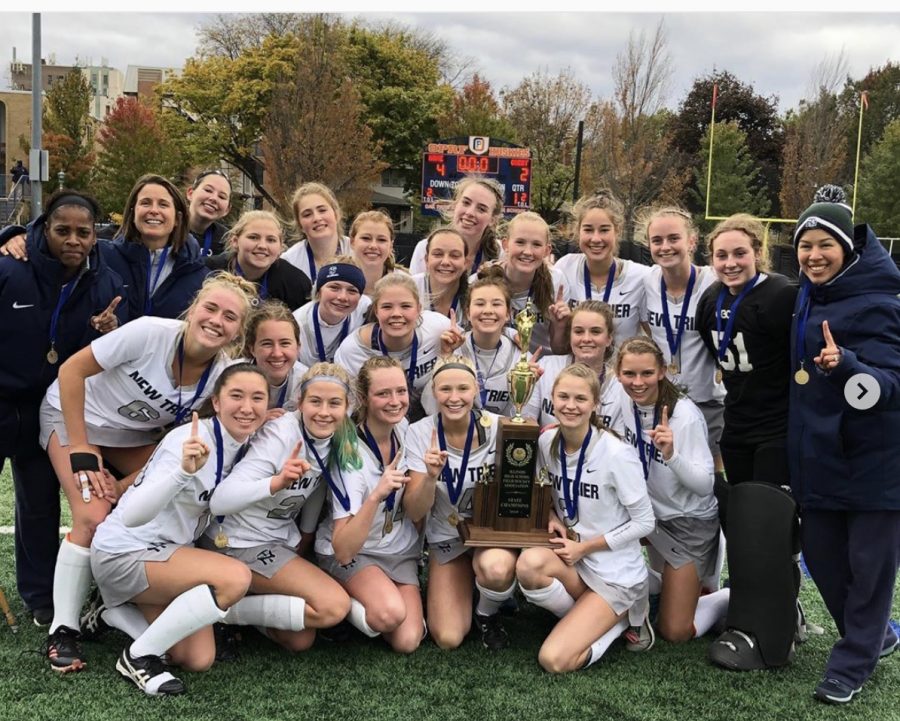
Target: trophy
[512, 501]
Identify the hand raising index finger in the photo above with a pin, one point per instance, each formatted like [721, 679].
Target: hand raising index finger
[664, 421]
[826, 331]
[434, 440]
[296, 452]
[395, 460]
[111, 308]
[195, 424]
[536, 354]
[559, 294]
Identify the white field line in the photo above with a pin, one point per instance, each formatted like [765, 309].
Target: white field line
[10, 530]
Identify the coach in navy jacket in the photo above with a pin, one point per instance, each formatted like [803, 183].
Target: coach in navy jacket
[29, 294]
[845, 460]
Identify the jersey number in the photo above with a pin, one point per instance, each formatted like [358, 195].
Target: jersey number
[139, 411]
[288, 509]
[743, 360]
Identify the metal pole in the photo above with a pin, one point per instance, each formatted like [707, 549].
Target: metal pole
[578, 144]
[36, 88]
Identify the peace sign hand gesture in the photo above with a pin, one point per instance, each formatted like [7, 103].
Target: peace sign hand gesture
[830, 356]
[293, 469]
[661, 436]
[453, 337]
[107, 320]
[194, 452]
[391, 480]
[435, 458]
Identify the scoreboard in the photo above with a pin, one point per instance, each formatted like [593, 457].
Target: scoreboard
[446, 162]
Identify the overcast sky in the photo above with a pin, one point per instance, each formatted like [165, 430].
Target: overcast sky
[776, 52]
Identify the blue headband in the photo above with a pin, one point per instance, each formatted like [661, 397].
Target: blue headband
[341, 271]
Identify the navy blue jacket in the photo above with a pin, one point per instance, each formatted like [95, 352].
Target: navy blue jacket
[842, 458]
[29, 292]
[130, 260]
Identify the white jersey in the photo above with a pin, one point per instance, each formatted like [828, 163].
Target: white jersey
[402, 535]
[611, 479]
[682, 486]
[425, 296]
[297, 256]
[417, 264]
[165, 504]
[697, 368]
[253, 516]
[438, 528]
[287, 395]
[332, 335]
[493, 366]
[626, 296]
[136, 390]
[352, 354]
[540, 405]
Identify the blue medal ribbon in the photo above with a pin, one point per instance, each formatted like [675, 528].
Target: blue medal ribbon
[610, 277]
[262, 284]
[317, 331]
[570, 492]
[643, 448]
[482, 379]
[64, 294]
[414, 354]
[207, 241]
[453, 304]
[477, 261]
[373, 446]
[454, 490]
[151, 287]
[674, 342]
[201, 384]
[220, 457]
[802, 316]
[725, 338]
[283, 394]
[342, 496]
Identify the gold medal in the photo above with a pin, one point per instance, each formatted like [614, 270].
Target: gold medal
[801, 377]
[388, 522]
[52, 355]
[572, 536]
[673, 367]
[221, 539]
[453, 518]
[718, 375]
[485, 420]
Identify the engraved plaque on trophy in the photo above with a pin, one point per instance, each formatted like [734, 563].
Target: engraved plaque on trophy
[512, 502]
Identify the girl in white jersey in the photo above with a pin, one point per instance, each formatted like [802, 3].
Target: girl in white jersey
[317, 216]
[447, 454]
[144, 552]
[375, 545]
[338, 308]
[596, 273]
[401, 330]
[444, 283]
[672, 291]
[273, 338]
[669, 436]
[591, 340]
[594, 578]
[475, 211]
[293, 462]
[372, 244]
[109, 404]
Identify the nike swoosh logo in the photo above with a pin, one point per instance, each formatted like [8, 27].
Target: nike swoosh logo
[606, 403]
[18, 306]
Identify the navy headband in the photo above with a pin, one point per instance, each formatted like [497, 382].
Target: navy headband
[72, 199]
[346, 272]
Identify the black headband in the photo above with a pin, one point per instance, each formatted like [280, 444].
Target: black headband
[72, 199]
[453, 365]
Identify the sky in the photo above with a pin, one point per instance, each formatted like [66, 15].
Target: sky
[774, 51]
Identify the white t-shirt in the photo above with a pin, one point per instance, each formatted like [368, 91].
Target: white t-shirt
[697, 369]
[438, 528]
[253, 516]
[673, 485]
[136, 390]
[165, 504]
[297, 256]
[626, 297]
[417, 263]
[290, 389]
[422, 284]
[331, 334]
[611, 479]
[352, 354]
[540, 405]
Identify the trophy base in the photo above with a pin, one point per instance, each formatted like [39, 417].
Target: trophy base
[486, 537]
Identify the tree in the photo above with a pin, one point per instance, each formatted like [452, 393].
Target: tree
[475, 111]
[545, 111]
[132, 142]
[756, 116]
[313, 130]
[815, 148]
[879, 184]
[628, 147]
[68, 131]
[736, 185]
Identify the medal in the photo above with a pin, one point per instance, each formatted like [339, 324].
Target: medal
[674, 338]
[388, 522]
[570, 491]
[644, 446]
[718, 375]
[724, 335]
[485, 420]
[453, 518]
[572, 536]
[801, 377]
[221, 539]
[454, 490]
[673, 367]
[52, 355]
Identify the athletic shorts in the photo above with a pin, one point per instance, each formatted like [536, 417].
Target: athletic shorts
[686, 540]
[447, 551]
[266, 560]
[401, 568]
[633, 599]
[52, 422]
[714, 413]
[122, 576]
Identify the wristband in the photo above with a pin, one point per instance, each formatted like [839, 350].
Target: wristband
[84, 462]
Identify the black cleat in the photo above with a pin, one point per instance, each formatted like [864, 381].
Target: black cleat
[493, 635]
[92, 624]
[149, 674]
[64, 650]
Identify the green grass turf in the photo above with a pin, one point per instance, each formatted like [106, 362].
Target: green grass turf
[361, 679]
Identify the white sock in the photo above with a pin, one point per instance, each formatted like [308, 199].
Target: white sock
[127, 618]
[187, 613]
[489, 601]
[555, 598]
[710, 608]
[357, 617]
[71, 583]
[655, 578]
[271, 610]
[599, 647]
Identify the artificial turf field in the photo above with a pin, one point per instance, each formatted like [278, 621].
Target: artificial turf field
[361, 680]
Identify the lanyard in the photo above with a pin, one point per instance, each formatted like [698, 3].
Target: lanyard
[201, 384]
[481, 377]
[342, 496]
[151, 287]
[207, 241]
[63, 297]
[675, 341]
[725, 338]
[220, 457]
[284, 390]
[263, 283]
[643, 447]
[477, 261]
[570, 493]
[317, 330]
[454, 303]
[454, 490]
[610, 277]
[802, 316]
[411, 373]
[373, 446]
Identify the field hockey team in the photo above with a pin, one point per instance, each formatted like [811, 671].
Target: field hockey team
[289, 439]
